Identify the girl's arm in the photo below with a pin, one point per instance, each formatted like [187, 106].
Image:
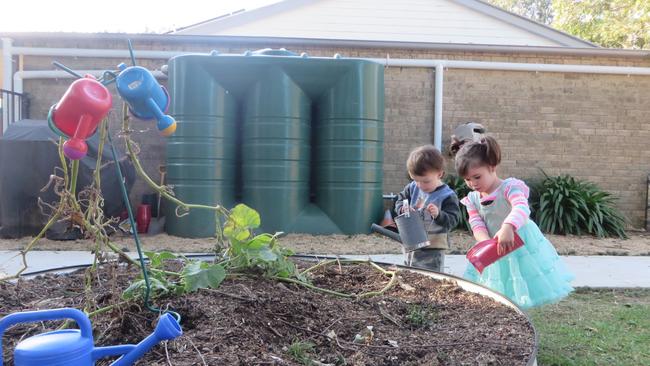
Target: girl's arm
[479, 229]
[517, 194]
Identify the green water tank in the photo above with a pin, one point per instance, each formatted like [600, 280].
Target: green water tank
[201, 155]
[276, 149]
[300, 139]
[349, 139]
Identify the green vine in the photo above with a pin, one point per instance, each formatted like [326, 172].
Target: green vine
[239, 250]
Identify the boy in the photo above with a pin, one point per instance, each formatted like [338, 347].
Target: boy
[438, 203]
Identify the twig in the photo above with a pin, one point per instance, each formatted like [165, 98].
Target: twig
[248, 299]
[273, 330]
[197, 351]
[388, 317]
[169, 362]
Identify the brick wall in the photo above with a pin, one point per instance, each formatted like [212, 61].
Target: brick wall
[594, 127]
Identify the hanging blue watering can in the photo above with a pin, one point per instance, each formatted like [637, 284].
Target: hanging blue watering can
[146, 98]
[74, 347]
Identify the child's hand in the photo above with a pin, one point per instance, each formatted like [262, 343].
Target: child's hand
[506, 238]
[405, 208]
[433, 210]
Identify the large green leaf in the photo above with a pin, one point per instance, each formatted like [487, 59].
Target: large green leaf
[156, 260]
[198, 274]
[241, 220]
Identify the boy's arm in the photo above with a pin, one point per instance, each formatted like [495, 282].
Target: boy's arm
[449, 213]
[405, 194]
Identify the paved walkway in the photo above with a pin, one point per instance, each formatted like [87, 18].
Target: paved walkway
[590, 271]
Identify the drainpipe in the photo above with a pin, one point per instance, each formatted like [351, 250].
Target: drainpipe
[7, 69]
[437, 111]
[513, 66]
[58, 74]
[97, 53]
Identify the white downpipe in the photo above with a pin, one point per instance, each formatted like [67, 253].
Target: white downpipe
[57, 74]
[7, 69]
[512, 66]
[437, 108]
[98, 53]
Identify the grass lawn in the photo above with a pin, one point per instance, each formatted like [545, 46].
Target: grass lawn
[595, 327]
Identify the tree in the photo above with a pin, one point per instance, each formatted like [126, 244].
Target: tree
[538, 10]
[609, 23]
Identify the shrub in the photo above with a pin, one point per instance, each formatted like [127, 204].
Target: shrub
[565, 205]
[462, 190]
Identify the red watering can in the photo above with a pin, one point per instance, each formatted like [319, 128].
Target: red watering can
[485, 252]
[78, 113]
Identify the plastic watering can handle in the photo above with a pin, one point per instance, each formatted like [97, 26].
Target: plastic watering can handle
[43, 315]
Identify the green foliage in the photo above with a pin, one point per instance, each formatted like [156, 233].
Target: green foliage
[260, 252]
[194, 275]
[301, 352]
[538, 10]
[609, 23]
[462, 190]
[565, 205]
[198, 274]
[420, 316]
[244, 252]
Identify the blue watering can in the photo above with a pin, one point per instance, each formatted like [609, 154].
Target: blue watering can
[74, 347]
[146, 98]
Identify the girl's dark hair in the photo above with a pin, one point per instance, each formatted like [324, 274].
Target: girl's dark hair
[485, 152]
[455, 146]
[425, 159]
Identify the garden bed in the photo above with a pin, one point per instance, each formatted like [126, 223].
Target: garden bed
[253, 321]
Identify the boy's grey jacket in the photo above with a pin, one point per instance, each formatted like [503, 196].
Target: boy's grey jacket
[443, 197]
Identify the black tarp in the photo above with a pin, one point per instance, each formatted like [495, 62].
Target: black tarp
[28, 156]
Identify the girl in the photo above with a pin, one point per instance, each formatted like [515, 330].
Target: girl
[530, 276]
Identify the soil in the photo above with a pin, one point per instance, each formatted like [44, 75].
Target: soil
[637, 244]
[253, 321]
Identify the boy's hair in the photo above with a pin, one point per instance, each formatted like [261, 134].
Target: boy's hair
[485, 152]
[425, 159]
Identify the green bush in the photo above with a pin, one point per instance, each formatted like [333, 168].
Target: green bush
[462, 190]
[565, 205]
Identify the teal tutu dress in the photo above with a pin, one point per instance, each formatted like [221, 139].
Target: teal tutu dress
[530, 276]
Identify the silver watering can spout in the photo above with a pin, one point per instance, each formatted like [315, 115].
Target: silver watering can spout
[74, 347]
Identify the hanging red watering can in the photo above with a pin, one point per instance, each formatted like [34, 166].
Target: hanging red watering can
[78, 113]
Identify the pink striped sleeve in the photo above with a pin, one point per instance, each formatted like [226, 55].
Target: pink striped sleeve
[475, 220]
[516, 193]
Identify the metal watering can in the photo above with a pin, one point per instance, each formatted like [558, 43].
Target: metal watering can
[412, 233]
[74, 347]
[146, 98]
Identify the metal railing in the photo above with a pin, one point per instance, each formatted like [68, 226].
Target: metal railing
[14, 106]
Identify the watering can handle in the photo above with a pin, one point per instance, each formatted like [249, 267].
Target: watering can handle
[43, 315]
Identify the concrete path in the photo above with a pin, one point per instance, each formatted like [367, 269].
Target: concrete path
[590, 271]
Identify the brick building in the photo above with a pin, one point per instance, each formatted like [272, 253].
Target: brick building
[554, 102]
